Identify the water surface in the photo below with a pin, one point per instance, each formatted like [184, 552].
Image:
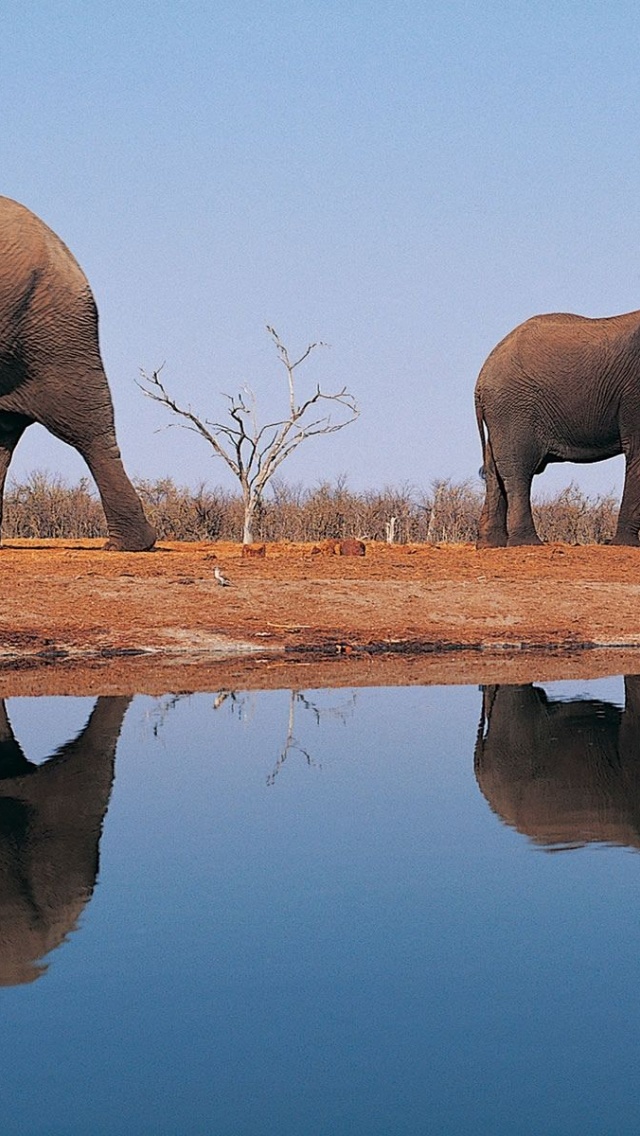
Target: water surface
[333, 912]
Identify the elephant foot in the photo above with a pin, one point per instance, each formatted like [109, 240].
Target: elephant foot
[522, 541]
[628, 539]
[142, 543]
[117, 546]
[492, 541]
[491, 534]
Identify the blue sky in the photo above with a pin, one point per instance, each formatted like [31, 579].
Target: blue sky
[404, 180]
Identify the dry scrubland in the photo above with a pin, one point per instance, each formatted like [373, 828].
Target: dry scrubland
[46, 507]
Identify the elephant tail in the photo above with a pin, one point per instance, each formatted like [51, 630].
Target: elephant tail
[483, 436]
[488, 699]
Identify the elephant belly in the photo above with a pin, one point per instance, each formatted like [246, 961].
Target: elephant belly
[589, 435]
[584, 452]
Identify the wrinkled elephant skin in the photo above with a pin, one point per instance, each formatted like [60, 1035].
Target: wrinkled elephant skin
[558, 388]
[51, 370]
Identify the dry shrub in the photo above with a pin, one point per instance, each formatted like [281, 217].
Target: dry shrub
[453, 512]
[45, 506]
[178, 513]
[575, 518]
[331, 511]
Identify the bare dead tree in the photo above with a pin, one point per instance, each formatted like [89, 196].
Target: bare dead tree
[252, 452]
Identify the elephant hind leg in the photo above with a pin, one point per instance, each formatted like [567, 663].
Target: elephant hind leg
[519, 516]
[506, 517]
[492, 527]
[515, 471]
[85, 421]
[129, 529]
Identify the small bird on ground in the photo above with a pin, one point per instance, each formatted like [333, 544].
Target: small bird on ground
[221, 578]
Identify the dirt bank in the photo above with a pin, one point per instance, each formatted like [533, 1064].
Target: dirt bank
[75, 618]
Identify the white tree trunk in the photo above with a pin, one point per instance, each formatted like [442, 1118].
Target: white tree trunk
[247, 530]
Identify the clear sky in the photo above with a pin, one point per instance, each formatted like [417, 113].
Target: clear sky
[403, 179]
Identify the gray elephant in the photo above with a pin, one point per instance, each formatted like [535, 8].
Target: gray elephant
[557, 388]
[51, 818]
[564, 773]
[51, 370]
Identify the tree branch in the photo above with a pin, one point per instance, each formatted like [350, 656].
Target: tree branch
[253, 453]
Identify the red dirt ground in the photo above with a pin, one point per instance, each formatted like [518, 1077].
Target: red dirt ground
[77, 619]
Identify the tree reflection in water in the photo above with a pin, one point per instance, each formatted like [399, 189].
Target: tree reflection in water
[51, 818]
[243, 705]
[564, 773]
[298, 700]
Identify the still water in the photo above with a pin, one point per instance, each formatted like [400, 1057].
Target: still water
[374, 911]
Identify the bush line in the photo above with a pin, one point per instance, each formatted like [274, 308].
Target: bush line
[46, 506]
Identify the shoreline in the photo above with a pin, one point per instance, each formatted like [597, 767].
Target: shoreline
[76, 619]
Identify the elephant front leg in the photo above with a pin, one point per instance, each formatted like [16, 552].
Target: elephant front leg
[628, 525]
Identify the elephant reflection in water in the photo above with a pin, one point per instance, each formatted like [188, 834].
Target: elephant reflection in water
[51, 819]
[563, 773]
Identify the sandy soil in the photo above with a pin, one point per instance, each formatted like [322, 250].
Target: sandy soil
[77, 619]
